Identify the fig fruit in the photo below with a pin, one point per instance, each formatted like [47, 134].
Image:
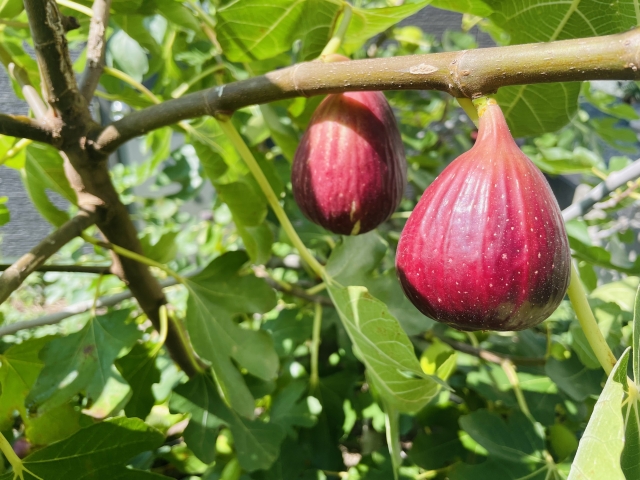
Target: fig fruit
[486, 247]
[349, 170]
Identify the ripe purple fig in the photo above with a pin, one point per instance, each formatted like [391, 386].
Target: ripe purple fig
[486, 247]
[349, 170]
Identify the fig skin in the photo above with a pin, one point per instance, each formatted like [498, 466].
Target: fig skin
[349, 170]
[486, 247]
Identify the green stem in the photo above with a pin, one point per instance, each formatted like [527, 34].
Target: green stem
[578, 298]
[16, 149]
[338, 36]
[206, 18]
[315, 346]
[133, 256]
[76, 6]
[182, 89]
[316, 288]
[469, 109]
[235, 138]
[14, 460]
[120, 75]
[164, 328]
[392, 423]
[510, 370]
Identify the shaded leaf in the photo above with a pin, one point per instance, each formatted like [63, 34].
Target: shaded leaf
[44, 171]
[83, 361]
[257, 443]
[97, 452]
[139, 369]
[514, 440]
[215, 295]
[573, 378]
[289, 410]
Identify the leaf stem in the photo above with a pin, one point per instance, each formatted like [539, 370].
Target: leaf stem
[338, 36]
[76, 6]
[164, 328]
[510, 371]
[316, 288]
[392, 424]
[315, 345]
[235, 138]
[578, 298]
[133, 256]
[14, 460]
[120, 75]
[182, 89]
[16, 149]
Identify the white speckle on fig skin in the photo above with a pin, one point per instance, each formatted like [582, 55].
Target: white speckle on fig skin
[515, 277]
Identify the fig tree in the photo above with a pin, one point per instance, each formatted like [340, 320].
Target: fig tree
[349, 170]
[486, 247]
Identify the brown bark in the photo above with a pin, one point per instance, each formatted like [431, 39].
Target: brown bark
[88, 174]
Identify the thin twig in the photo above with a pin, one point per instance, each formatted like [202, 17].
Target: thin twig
[602, 190]
[76, 309]
[13, 277]
[297, 292]
[24, 127]
[96, 46]
[465, 73]
[489, 356]
[94, 269]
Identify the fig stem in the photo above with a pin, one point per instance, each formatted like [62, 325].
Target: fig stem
[123, 252]
[338, 36]
[469, 109]
[578, 298]
[315, 345]
[235, 138]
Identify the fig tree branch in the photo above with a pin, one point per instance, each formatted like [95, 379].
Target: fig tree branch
[93, 269]
[602, 190]
[75, 309]
[24, 127]
[96, 46]
[467, 73]
[52, 53]
[13, 276]
[88, 174]
[489, 356]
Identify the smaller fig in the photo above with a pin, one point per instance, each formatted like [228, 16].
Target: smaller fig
[486, 247]
[349, 170]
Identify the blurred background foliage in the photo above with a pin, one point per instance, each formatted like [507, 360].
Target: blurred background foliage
[193, 201]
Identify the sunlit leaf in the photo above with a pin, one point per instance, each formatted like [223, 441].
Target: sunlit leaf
[215, 295]
[599, 451]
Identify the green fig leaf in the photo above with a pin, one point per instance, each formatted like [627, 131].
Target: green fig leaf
[96, 452]
[215, 295]
[384, 348]
[599, 451]
[257, 443]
